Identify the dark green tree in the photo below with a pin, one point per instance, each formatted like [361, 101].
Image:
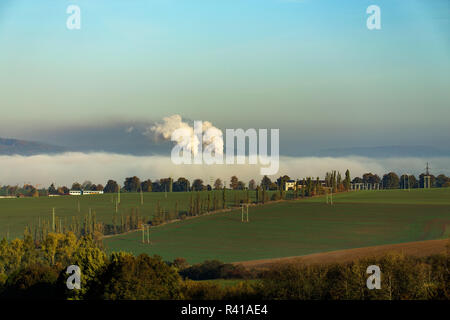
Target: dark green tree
[391, 181]
[266, 183]
[347, 180]
[132, 184]
[111, 187]
[197, 185]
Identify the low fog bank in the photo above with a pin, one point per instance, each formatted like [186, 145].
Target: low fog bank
[65, 168]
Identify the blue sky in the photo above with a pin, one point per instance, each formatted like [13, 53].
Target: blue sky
[301, 66]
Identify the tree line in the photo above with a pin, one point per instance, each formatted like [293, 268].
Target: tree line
[392, 181]
[332, 179]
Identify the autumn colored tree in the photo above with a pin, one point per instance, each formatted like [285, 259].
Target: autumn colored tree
[76, 186]
[143, 278]
[218, 184]
[234, 183]
[31, 282]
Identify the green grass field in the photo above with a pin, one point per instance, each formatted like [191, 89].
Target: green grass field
[357, 219]
[224, 283]
[17, 213]
[293, 228]
[414, 196]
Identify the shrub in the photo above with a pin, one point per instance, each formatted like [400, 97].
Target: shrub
[141, 277]
[32, 282]
[201, 290]
[180, 263]
[243, 290]
[402, 278]
[275, 196]
[214, 269]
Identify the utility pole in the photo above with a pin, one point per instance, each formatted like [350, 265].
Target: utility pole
[427, 178]
[242, 210]
[404, 182]
[53, 219]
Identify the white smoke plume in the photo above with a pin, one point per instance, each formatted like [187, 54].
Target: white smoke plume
[212, 136]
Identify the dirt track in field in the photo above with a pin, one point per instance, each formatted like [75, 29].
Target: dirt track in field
[418, 249]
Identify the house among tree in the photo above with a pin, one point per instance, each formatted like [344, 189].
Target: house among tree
[290, 185]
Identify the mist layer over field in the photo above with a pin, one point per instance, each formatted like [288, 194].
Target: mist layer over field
[65, 168]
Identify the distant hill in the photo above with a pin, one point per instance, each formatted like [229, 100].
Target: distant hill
[113, 140]
[26, 148]
[386, 151]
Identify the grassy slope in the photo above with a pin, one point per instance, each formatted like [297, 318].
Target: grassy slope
[414, 196]
[417, 248]
[358, 219]
[16, 214]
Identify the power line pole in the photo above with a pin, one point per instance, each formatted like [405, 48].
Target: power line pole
[53, 219]
[242, 211]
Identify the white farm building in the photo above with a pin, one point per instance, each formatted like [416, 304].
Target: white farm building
[83, 192]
